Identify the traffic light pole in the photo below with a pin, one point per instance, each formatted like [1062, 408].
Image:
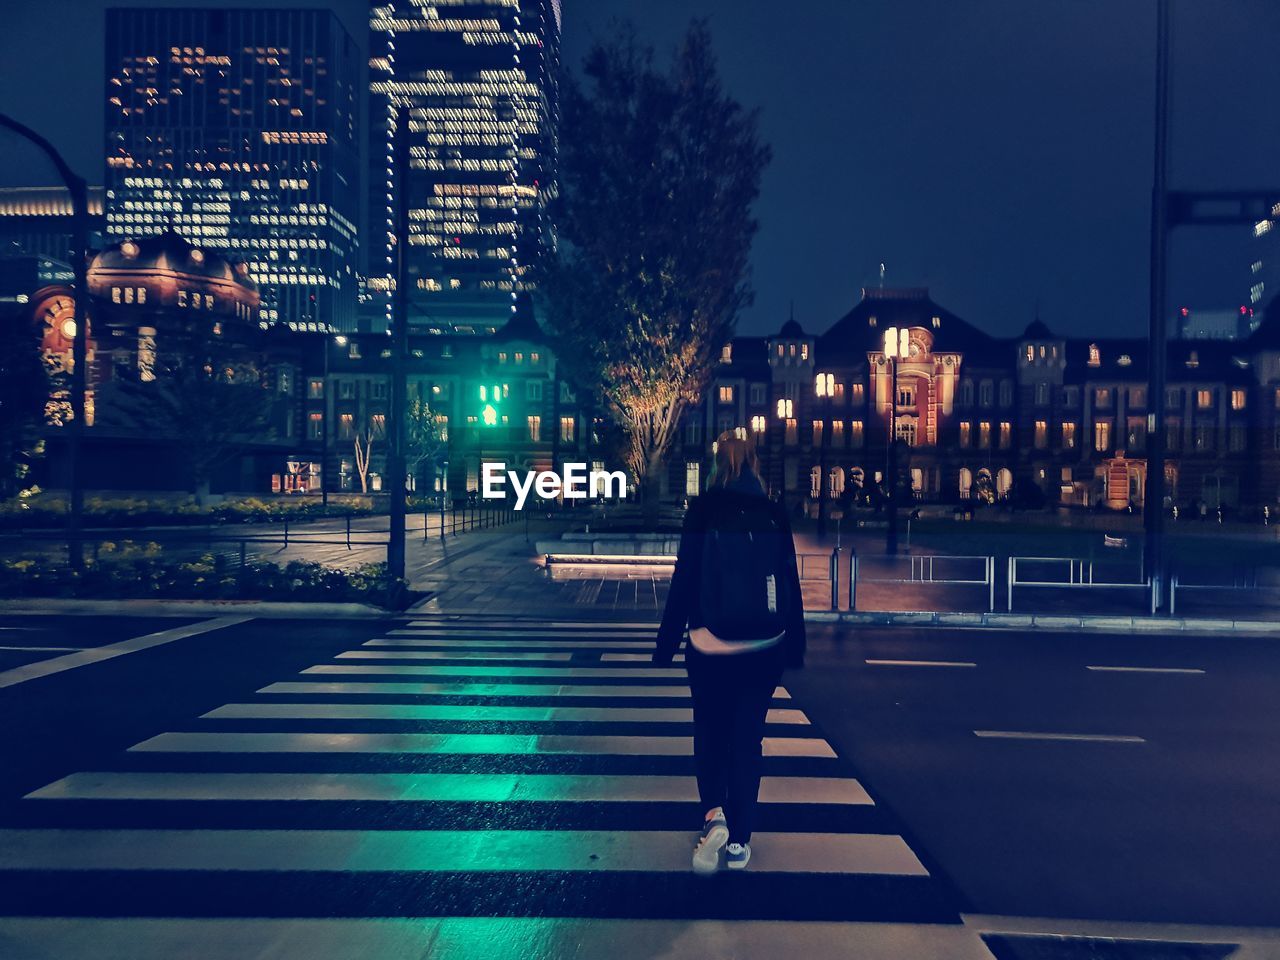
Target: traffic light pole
[1153, 494]
[399, 349]
[80, 341]
[891, 537]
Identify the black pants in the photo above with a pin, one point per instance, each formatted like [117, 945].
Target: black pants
[731, 697]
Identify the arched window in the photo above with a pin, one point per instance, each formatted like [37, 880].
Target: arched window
[1004, 482]
[966, 483]
[815, 482]
[836, 479]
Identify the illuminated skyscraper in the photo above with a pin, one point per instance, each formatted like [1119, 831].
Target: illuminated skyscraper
[237, 129]
[480, 82]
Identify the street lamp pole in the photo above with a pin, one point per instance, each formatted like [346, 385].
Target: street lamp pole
[895, 347]
[79, 192]
[324, 432]
[1153, 495]
[823, 389]
[399, 347]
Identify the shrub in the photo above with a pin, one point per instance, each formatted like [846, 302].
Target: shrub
[135, 572]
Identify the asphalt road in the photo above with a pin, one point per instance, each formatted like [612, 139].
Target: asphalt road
[1001, 775]
[1174, 820]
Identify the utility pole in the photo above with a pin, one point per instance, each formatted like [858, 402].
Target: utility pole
[1153, 495]
[79, 192]
[399, 348]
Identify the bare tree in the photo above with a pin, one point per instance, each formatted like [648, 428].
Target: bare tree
[364, 449]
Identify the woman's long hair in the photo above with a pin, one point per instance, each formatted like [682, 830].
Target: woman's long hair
[734, 453]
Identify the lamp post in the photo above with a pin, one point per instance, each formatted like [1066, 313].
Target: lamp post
[340, 341]
[896, 346]
[823, 388]
[399, 331]
[785, 411]
[79, 192]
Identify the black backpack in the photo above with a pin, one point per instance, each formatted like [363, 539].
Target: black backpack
[742, 590]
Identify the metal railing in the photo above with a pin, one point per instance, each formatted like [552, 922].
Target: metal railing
[461, 518]
[1073, 573]
[926, 570]
[1234, 581]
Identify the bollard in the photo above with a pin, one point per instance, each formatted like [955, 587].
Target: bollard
[348, 531]
[853, 579]
[835, 579]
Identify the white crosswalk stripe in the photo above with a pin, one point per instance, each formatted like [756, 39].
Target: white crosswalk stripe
[478, 778]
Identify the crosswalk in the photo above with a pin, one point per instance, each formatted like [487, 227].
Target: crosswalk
[457, 789]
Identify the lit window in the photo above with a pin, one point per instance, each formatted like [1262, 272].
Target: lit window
[315, 426]
[726, 353]
[817, 432]
[315, 389]
[347, 426]
[1068, 436]
[1102, 436]
[1102, 398]
[984, 435]
[115, 294]
[1238, 399]
[692, 478]
[1095, 355]
[1006, 434]
[757, 424]
[1204, 399]
[1042, 434]
[567, 429]
[856, 433]
[535, 428]
[804, 351]
[142, 294]
[966, 433]
[726, 394]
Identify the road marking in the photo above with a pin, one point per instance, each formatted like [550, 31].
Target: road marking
[455, 689]
[1082, 737]
[494, 938]
[633, 657]
[436, 787]
[433, 711]
[535, 655]
[45, 649]
[81, 658]
[457, 743]
[414, 670]
[440, 850]
[513, 643]
[920, 663]
[1106, 669]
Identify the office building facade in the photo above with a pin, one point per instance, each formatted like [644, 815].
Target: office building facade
[480, 83]
[237, 130]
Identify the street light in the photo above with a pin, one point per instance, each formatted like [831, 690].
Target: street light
[785, 410]
[897, 343]
[341, 341]
[824, 387]
[78, 191]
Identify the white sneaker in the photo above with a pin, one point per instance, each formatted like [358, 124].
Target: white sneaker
[736, 855]
[706, 855]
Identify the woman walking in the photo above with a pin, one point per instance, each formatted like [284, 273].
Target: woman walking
[736, 589]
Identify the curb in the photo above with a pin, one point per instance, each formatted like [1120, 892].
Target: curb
[198, 608]
[1081, 624]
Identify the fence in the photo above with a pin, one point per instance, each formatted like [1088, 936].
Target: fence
[373, 532]
[923, 571]
[1069, 573]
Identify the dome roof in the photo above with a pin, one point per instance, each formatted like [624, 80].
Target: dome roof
[791, 329]
[170, 253]
[1037, 330]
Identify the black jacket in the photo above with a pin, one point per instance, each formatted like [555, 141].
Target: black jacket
[684, 608]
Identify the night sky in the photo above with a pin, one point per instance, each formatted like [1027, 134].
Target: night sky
[996, 151]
